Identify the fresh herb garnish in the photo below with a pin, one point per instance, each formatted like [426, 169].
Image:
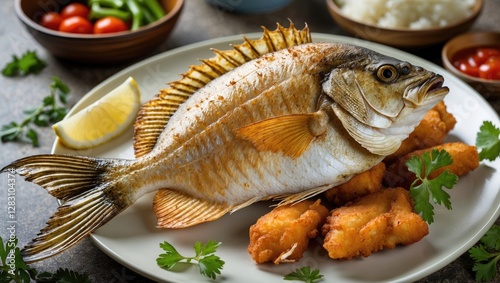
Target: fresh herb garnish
[14, 269]
[62, 275]
[488, 141]
[29, 63]
[209, 263]
[304, 274]
[486, 255]
[48, 112]
[424, 188]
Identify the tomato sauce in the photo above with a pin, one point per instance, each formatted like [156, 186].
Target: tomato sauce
[482, 62]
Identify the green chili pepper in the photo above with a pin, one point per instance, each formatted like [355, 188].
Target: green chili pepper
[108, 3]
[155, 8]
[97, 12]
[148, 15]
[137, 15]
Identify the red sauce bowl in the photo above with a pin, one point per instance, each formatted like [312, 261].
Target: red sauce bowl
[487, 87]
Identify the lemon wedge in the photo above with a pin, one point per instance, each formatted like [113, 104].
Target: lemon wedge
[103, 120]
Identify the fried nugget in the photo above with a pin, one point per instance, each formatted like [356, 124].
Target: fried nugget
[360, 185]
[379, 220]
[465, 159]
[283, 234]
[431, 131]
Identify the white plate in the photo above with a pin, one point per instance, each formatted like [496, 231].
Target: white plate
[132, 239]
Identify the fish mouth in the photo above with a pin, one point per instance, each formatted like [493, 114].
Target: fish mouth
[428, 88]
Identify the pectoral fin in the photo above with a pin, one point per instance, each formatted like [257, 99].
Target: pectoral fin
[177, 210]
[290, 134]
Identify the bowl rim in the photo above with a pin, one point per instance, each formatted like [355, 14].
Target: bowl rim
[477, 8]
[449, 65]
[38, 27]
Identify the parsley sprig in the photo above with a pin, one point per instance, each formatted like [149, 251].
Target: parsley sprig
[28, 63]
[210, 265]
[488, 141]
[423, 188]
[304, 274]
[14, 269]
[486, 255]
[46, 113]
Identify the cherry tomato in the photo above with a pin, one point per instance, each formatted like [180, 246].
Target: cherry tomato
[465, 67]
[75, 9]
[76, 24]
[109, 25]
[51, 20]
[490, 70]
[484, 53]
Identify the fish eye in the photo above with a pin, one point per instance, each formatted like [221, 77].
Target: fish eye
[387, 73]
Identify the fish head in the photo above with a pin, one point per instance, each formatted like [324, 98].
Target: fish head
[380, 99]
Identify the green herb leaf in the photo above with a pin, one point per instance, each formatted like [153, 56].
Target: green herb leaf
[304, 274]
[63, 276]
[29, 63]
[170, 257]
[423, 188]
[486, 255]
[46, 113]
[210, 265]
[492, 238]
[488, 141]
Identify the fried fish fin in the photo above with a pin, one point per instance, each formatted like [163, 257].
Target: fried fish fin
[176, 210]
[89, 193]
[290, 134]
[296, 198]
[155, 114]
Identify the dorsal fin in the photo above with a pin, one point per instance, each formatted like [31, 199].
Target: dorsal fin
[155, 114]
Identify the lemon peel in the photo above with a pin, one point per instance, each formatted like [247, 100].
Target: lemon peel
[103, 120]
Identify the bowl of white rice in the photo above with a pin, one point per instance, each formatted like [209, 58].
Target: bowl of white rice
[406, 24]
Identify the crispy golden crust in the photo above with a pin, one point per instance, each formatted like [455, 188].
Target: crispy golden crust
[283, 234]
[465, 159]
[431, 131]
[379, 220]
[360, 185]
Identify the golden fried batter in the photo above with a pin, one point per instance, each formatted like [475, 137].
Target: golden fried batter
[360, 185]
[431, 131]
[283, 234]
[379, 220]
[465, 159]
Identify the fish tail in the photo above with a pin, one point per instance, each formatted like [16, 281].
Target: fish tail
[90, 196]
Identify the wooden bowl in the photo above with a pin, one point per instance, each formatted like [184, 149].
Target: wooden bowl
[106, 49]
[403, 38]
[464, 41]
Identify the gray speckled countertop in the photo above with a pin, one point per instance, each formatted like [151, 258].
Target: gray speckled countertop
[199, 21]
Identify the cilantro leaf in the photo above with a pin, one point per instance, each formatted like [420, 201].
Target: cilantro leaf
[423, 188]
[170, 257]
[46, 113]
[29, 63]
[304, 274]
[63, 275]
[210, 265]
[486, 255]
[488, 141]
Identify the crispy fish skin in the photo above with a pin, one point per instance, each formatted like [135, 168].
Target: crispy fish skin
[381, 220]
[283, 234]
[289, 125]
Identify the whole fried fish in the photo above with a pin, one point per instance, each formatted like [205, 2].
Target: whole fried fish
[254, 123]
